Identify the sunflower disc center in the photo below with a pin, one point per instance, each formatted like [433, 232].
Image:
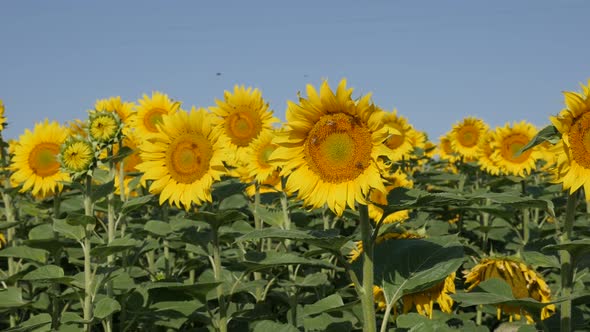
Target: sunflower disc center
[338, 148]
[579, 139]
[242, 127]
[152, 118]
[468, 136]
[264, 155]
[188, 157]
[512, 144]
[42, 159]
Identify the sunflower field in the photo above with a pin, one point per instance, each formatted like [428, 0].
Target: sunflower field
[148, 216]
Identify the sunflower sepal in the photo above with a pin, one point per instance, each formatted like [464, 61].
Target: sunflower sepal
[104, 128]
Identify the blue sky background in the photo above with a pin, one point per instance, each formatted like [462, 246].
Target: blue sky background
[435, 61]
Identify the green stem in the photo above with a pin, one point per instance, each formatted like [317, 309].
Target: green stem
[526, 217]
[222, 322]
[111, 229]
[367, 298]
[258, 226]
[55, 287]
[166, 243]
[10, 218]
[88, 210]
[566, 264]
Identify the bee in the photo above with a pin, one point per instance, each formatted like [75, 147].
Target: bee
[359, 165]
[314, 140]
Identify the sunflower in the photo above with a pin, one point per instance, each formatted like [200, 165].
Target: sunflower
[330, 148]
[486, 163]
[77, 155]
[445, 150]
[466, 136]
[104, 127]
[272, 184]
[2, 117]
[77, 127]
[399, 143]
[507, 142]
[150, 112]
[130, 163]
[394, 180]
[258, 165]
[35, 162]
[124, 110]
[184, 158]
[524, 281]
[2, 240]
[243, 116]
[574, 125]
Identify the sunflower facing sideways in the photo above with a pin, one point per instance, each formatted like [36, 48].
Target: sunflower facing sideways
[183, 158]
[400, 143]
[124, 110]
[507, 142]
[35, 163]
[242, 116]
[574, 125]
[330, 147]
[150, 112]
[466, 136]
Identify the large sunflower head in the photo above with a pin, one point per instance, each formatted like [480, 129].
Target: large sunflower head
[242, 116]
[507, 141]
[2, 117]
[183, 158]
[524, 281]
[150, 112]
[330, 148]
[466, 136]
[394, 180]
[574, 125]
[124, 110]
[486, 163]
[77, 156]
[35, 163]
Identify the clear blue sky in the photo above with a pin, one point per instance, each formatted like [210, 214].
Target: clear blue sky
[435, 61]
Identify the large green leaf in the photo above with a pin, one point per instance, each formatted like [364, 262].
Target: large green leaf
[37, 255]
[158, 228]
[35, 323]
[135, 203]
[116, 246]
[323, 305]
[11, 297]
[262, 260]
[48, 273]
[548, 134]
[268, 325]
[68, 230]
[323, 239]
[106, 307]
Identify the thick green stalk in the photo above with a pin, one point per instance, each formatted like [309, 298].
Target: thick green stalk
[258, 226]
[526, 217]
[111, 229]
[222, 321]
[166, 243]
[566, 264]
[367, 298]
[10, 218]
[88, 210]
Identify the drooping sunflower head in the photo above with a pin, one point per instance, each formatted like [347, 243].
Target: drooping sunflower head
[77, 156]
[466, 135]
[574, 125]
[183, 158]
[150, 111]
[394, 180]
[330, 148]
[440, 293]
[486, 163]
[242, 116]
[524, 281]
[35, 163]
[124, 110]
[2, 117]
[104, 128]
[257, 163]
[507, 142]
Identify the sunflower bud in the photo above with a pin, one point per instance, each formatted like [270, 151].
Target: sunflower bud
[77, 157]
[104, 128]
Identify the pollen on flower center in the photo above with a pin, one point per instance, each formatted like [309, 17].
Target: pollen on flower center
[242, 127]
[338, 148]
[188, 157]
[468, 136]
[42, 159]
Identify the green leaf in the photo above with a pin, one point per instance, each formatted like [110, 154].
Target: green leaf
[106, 307]
[323, 239]
[268, 325]
[116, 246]
[135, 203]
[46, 272]
[37, 255]
[123, 153]
[75, 219]
[11, 297]
[102, 190]
[548, 134]
[235, 201]
[198, 290]
[417, 322]
[75, 232]
[261, 260]
[186, 308]
[33, 323]
[323, 305]
[575, 247]
[158, 228]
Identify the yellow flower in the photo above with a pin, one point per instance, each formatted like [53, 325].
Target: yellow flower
[445, 150]
[130, 163]
[124, 110]
[257, 162]
[523, 280]
[507, 141]
[77, 127]
[394, 180]
[486, 163]
[77, 155]
[2, 240]
[466, 136]
[272, 184]
[150, 112]
[2, 117]
[242, 116]
[399, 143]
[330, 148]
[104, 127]
[183, 158]
[35, 162]
[574, 125]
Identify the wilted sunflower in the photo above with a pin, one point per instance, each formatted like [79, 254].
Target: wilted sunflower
[183, 158]
[124, 110]
[574, 125]
[330, 148]
[486, 163]
[77, 155]
[523, 280]
[150, 112]
[466, 136]
[242, 115]
[35, 163]
[394, 180]
[508, 141]
[2, 117]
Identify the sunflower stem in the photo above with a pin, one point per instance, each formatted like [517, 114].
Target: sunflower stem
[367, 298]
[526, 216]
[55, 287]
[566, 264]
[111, 230]
[86, 248]
[257, 226]
[10, 234]
[165, 218]
[222, 321]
